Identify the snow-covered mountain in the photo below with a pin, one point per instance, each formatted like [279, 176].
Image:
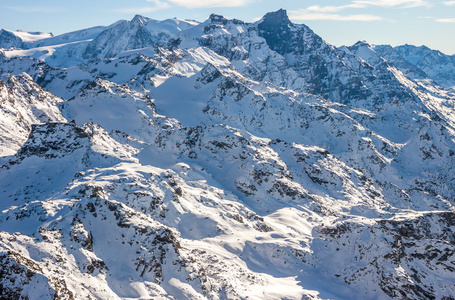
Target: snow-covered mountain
[434, 64]
[140, 32]
[224, 160]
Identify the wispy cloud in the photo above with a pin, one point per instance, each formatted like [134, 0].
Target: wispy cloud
[366, 3]
[394, 3]
[35, 9]
[208, 3]
[332, 9]
[449, 20]
[449, 3]
[305, 15]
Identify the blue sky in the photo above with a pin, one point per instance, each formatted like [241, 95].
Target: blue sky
[340, 22]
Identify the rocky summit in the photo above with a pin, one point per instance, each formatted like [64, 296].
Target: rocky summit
[224, 160]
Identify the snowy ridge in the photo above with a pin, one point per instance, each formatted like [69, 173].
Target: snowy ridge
[223, 160]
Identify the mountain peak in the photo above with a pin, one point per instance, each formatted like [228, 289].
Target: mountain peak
[276, 19]
[219, 19]
[361, 43]
[139, 19]
[358, 45]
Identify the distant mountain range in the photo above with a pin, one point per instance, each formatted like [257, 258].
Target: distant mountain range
[224, 160]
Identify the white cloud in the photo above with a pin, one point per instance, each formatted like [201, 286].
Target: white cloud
[305, 15]
[366, 3]
[208, 3]
[449, 3]
[394, 3]
[331, 9]
[450, 20]
[35, 9]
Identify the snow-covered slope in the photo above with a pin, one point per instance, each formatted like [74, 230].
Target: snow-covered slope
[223, 160]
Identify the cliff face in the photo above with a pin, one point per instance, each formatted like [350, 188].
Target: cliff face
[9, 40]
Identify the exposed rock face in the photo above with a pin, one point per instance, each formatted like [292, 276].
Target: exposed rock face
[277, 29]
[53, 140]
[9, 40]
[225, 160]
[23, 103]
